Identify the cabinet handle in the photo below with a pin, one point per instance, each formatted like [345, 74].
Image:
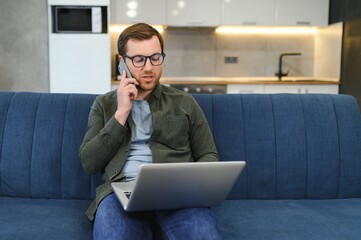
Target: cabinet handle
[303, 23]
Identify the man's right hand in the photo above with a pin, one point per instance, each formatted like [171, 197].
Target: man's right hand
[126, 92]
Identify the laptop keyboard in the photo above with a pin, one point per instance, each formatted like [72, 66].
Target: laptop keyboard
[127, 194]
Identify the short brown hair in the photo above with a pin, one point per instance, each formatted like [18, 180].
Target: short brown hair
[139, 31]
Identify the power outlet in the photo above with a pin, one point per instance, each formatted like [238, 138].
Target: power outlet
[230, 59]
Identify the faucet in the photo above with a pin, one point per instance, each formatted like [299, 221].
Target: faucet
[280, 74]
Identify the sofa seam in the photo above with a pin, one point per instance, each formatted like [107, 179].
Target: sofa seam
[32, 145]
[3, 134]
[62, 145]
[244, 141]
[338, 145]
[306, 145]
[275, 147]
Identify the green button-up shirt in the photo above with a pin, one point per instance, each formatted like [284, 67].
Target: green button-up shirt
[180, 134]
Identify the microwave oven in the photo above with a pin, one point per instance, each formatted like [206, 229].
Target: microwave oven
[79, 19]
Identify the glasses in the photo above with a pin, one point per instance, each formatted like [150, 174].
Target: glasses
[140, 60]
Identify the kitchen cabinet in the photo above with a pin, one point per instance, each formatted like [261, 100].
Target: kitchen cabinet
[329, 89]
[135, 11]
[302, 13]
[200, 13]
[301, 88]
[211, 13]
[246, 12]
[278, 88]
[245, 88]
[282, 88]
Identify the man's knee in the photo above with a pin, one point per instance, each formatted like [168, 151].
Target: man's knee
[192, 223]
[112, 222]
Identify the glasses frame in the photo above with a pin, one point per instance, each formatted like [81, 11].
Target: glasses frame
[146, 59]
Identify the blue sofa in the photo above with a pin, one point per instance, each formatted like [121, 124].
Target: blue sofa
[302, 180]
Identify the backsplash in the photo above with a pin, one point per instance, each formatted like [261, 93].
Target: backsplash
[201, 52]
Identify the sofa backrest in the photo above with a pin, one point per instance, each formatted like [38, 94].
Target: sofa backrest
[40, 135]
[295, 146]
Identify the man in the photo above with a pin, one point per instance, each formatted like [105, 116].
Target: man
[144, 122]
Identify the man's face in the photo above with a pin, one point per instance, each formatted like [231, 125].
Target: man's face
[147, 76]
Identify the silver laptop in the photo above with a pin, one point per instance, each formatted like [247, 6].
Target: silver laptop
[178, 185]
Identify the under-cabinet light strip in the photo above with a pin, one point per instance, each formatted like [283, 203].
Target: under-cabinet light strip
[239, 30]
[266, 30]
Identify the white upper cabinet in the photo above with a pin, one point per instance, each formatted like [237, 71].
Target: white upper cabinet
[135, 11]
[302, 12]
[248, 12]
[210, 13]
[201, 13]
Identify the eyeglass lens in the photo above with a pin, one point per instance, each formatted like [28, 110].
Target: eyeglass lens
[155, 59]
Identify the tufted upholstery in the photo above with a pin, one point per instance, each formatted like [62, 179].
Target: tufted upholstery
[297, 147]
[40, 136]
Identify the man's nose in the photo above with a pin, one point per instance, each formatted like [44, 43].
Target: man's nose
[148, 65]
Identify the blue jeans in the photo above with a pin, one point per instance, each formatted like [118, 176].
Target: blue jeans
[112, 222]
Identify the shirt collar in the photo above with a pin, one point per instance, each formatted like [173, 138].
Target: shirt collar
[157, 91]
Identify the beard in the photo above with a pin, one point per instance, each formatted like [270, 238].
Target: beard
[147, 84]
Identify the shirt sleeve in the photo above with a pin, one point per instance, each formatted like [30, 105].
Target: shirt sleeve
[101, 140]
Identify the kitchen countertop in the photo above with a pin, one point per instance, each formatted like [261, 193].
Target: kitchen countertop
[246, 80]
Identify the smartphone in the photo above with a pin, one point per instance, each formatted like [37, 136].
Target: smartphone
[122, 66]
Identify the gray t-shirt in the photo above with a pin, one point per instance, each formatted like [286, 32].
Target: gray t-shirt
[140, 152]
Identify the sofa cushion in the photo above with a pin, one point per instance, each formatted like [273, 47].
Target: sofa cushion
[290, 219]
[22, 218]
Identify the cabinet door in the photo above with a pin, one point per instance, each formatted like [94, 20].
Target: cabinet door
[194, 13]
[328, 89]
[302, 88]
[245, 12]
[245, 88]
[283, 88]
[302, 12]
[135, 11]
